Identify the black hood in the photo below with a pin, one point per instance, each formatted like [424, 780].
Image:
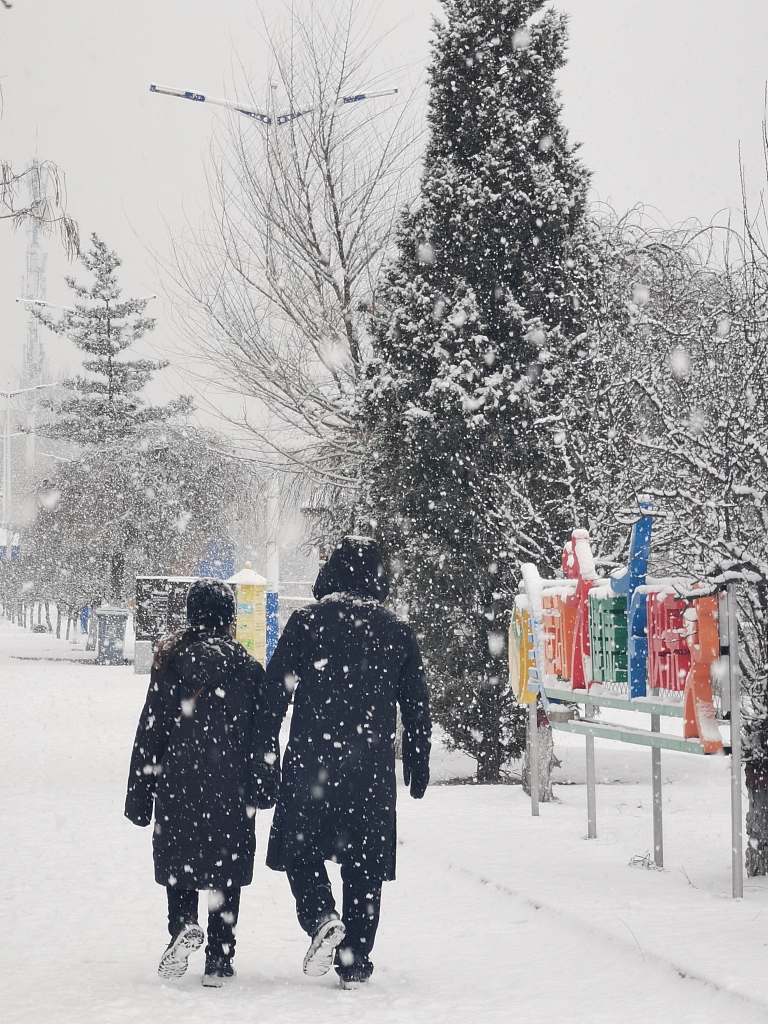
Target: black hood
[211, 604]
[355, 567]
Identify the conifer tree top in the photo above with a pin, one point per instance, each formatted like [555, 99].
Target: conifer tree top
[499, 237]
[492, 77]
[105, 405]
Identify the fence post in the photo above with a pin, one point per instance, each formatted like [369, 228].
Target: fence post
[737, 855]
[658, 826]
[533, 754]
[589, 714]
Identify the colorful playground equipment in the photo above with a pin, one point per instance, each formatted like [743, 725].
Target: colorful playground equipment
[666, 648]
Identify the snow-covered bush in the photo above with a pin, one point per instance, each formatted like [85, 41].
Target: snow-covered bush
[693, 357]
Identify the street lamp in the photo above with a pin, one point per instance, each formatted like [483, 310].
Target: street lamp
[8, 395]
[259, 115]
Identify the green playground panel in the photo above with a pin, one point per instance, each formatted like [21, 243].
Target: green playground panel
[608, 638]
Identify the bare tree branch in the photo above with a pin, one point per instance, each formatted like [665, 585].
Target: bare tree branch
[278, 285]
[44, 182]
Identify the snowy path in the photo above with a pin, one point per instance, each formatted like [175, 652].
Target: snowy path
[495, 917]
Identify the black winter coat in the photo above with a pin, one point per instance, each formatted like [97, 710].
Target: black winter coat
[348, 662]
[194, 758]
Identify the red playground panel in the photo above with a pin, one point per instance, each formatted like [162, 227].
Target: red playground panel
[579, 565]
[669, 656]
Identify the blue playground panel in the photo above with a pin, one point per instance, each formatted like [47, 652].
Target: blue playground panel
[273, 629]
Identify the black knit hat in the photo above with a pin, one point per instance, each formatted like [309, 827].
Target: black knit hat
[211, 604]
[355, 567]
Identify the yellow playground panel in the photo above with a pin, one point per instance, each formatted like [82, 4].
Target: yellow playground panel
[251, 594]
[521, 653]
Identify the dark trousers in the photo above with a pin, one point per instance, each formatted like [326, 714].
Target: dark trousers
[223, 908]
[311, 889]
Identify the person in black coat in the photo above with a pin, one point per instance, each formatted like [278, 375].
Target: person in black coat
[347, 663]
[194, 759]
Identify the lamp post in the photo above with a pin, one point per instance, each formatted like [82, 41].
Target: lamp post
[8, 395]
[268, 118]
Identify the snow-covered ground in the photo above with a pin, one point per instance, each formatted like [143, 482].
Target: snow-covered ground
[495, 916]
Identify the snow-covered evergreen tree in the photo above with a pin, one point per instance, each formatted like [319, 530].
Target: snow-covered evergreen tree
[136, 494]
[479, 351]
[105, 406]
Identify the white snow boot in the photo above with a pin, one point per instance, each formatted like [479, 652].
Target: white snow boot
[173, 962]
[322, 948]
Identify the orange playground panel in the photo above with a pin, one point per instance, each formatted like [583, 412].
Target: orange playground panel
[559, 621]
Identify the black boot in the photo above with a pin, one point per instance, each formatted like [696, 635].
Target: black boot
[218, 971]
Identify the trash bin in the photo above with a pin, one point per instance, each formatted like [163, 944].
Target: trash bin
[110, 646]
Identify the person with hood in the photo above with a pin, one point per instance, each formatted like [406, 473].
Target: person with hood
[347, 663]
[194, 759]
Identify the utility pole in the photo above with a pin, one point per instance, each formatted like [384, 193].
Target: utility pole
[33, 286]
[7, 449]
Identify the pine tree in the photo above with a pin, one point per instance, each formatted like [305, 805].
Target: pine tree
[479, 350]
[106, 406]
[103, 491]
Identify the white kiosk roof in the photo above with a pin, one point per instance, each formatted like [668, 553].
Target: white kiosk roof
[248, 577]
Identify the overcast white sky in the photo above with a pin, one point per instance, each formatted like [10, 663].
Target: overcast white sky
[659, 92]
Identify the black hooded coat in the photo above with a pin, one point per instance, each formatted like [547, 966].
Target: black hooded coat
[347, 662]
[194, 759]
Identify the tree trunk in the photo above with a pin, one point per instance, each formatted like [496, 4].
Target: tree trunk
[757, 826]
[488, 761]
[58, 621]
[489, 754]
[69, 624]
[116, 572]
[48, 623]
[546, 759]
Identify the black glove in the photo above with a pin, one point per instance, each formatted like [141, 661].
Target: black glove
[266, 783]
[415, 766]
[138, 805]
[142, 820]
